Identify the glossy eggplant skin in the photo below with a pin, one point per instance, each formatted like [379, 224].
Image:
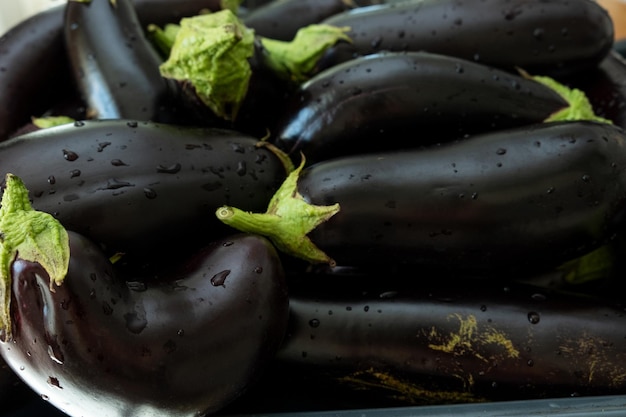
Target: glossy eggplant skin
[605, 86]
[115, 65]
[35, 71]
[529, 197]
[398, 100]
[451, 339]
[184, 344]
[31, 56]
[549, 37]
[141, 187]
[281, 19]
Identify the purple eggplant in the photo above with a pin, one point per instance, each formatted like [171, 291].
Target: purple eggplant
[184, 343]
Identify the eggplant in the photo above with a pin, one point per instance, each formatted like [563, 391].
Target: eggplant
[115, 65]
[281, 19]
[511, 200]
[449, 340]
[35, 70]
[184, 343]
[552, 37]
[605, 87]
[139, 186]
[399, 100]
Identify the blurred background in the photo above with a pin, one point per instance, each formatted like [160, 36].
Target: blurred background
[12, 11]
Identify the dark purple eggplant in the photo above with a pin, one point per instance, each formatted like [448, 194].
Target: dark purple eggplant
[34, 69]
[451, 340]
[281, 19]
[605, 86]
[511, 200]
[185, 343]
[402, 100]
[115, 65]
[141, 186]
[550, 37]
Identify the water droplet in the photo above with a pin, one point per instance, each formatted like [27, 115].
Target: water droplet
[70, 155]
[533, 317]
[114, 184]
[55, 353]
[79, 123]
[52, 180]
[586, 178]
[132, 124]
[530, 362]
[135, 323]
[136, 286]
[500, 151]
[103, 145]
[538, 33]
[219, 278]
[150, 193]
[107, 309]
[483, 308]
[459, 69]
[180, 332]
[170, 169]
[54, 382]
[314, 323]
[241, 168]
[538, 297]
[388, 294]
[376, 42]
[44, 397]
[75, 173]
[258, 270]
[237, 148]
[118, 163]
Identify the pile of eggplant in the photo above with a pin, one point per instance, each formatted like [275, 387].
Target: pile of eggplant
[429, 209]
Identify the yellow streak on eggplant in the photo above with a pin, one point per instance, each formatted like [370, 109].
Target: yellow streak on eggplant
[469, 339]
[408, 391]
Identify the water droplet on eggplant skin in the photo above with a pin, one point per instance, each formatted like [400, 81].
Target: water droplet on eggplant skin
[219, 279]
[170, 169]
[69, 155]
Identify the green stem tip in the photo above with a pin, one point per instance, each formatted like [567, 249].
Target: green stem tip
[287, 221]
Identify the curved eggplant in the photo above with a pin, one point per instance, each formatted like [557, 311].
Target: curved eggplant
[141, 187]
[548, 37]
[402, 100]
[34, 70]
[451, 340]
[182, 344]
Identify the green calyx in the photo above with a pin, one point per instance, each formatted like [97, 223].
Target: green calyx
[287, 221]
[51, 121]
[296, 60]
[579, 107]
[210, 53]
[30, 235]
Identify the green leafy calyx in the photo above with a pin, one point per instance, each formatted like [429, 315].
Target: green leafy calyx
[30, 235]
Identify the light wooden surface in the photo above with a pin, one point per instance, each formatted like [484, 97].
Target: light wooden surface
[617, 10]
